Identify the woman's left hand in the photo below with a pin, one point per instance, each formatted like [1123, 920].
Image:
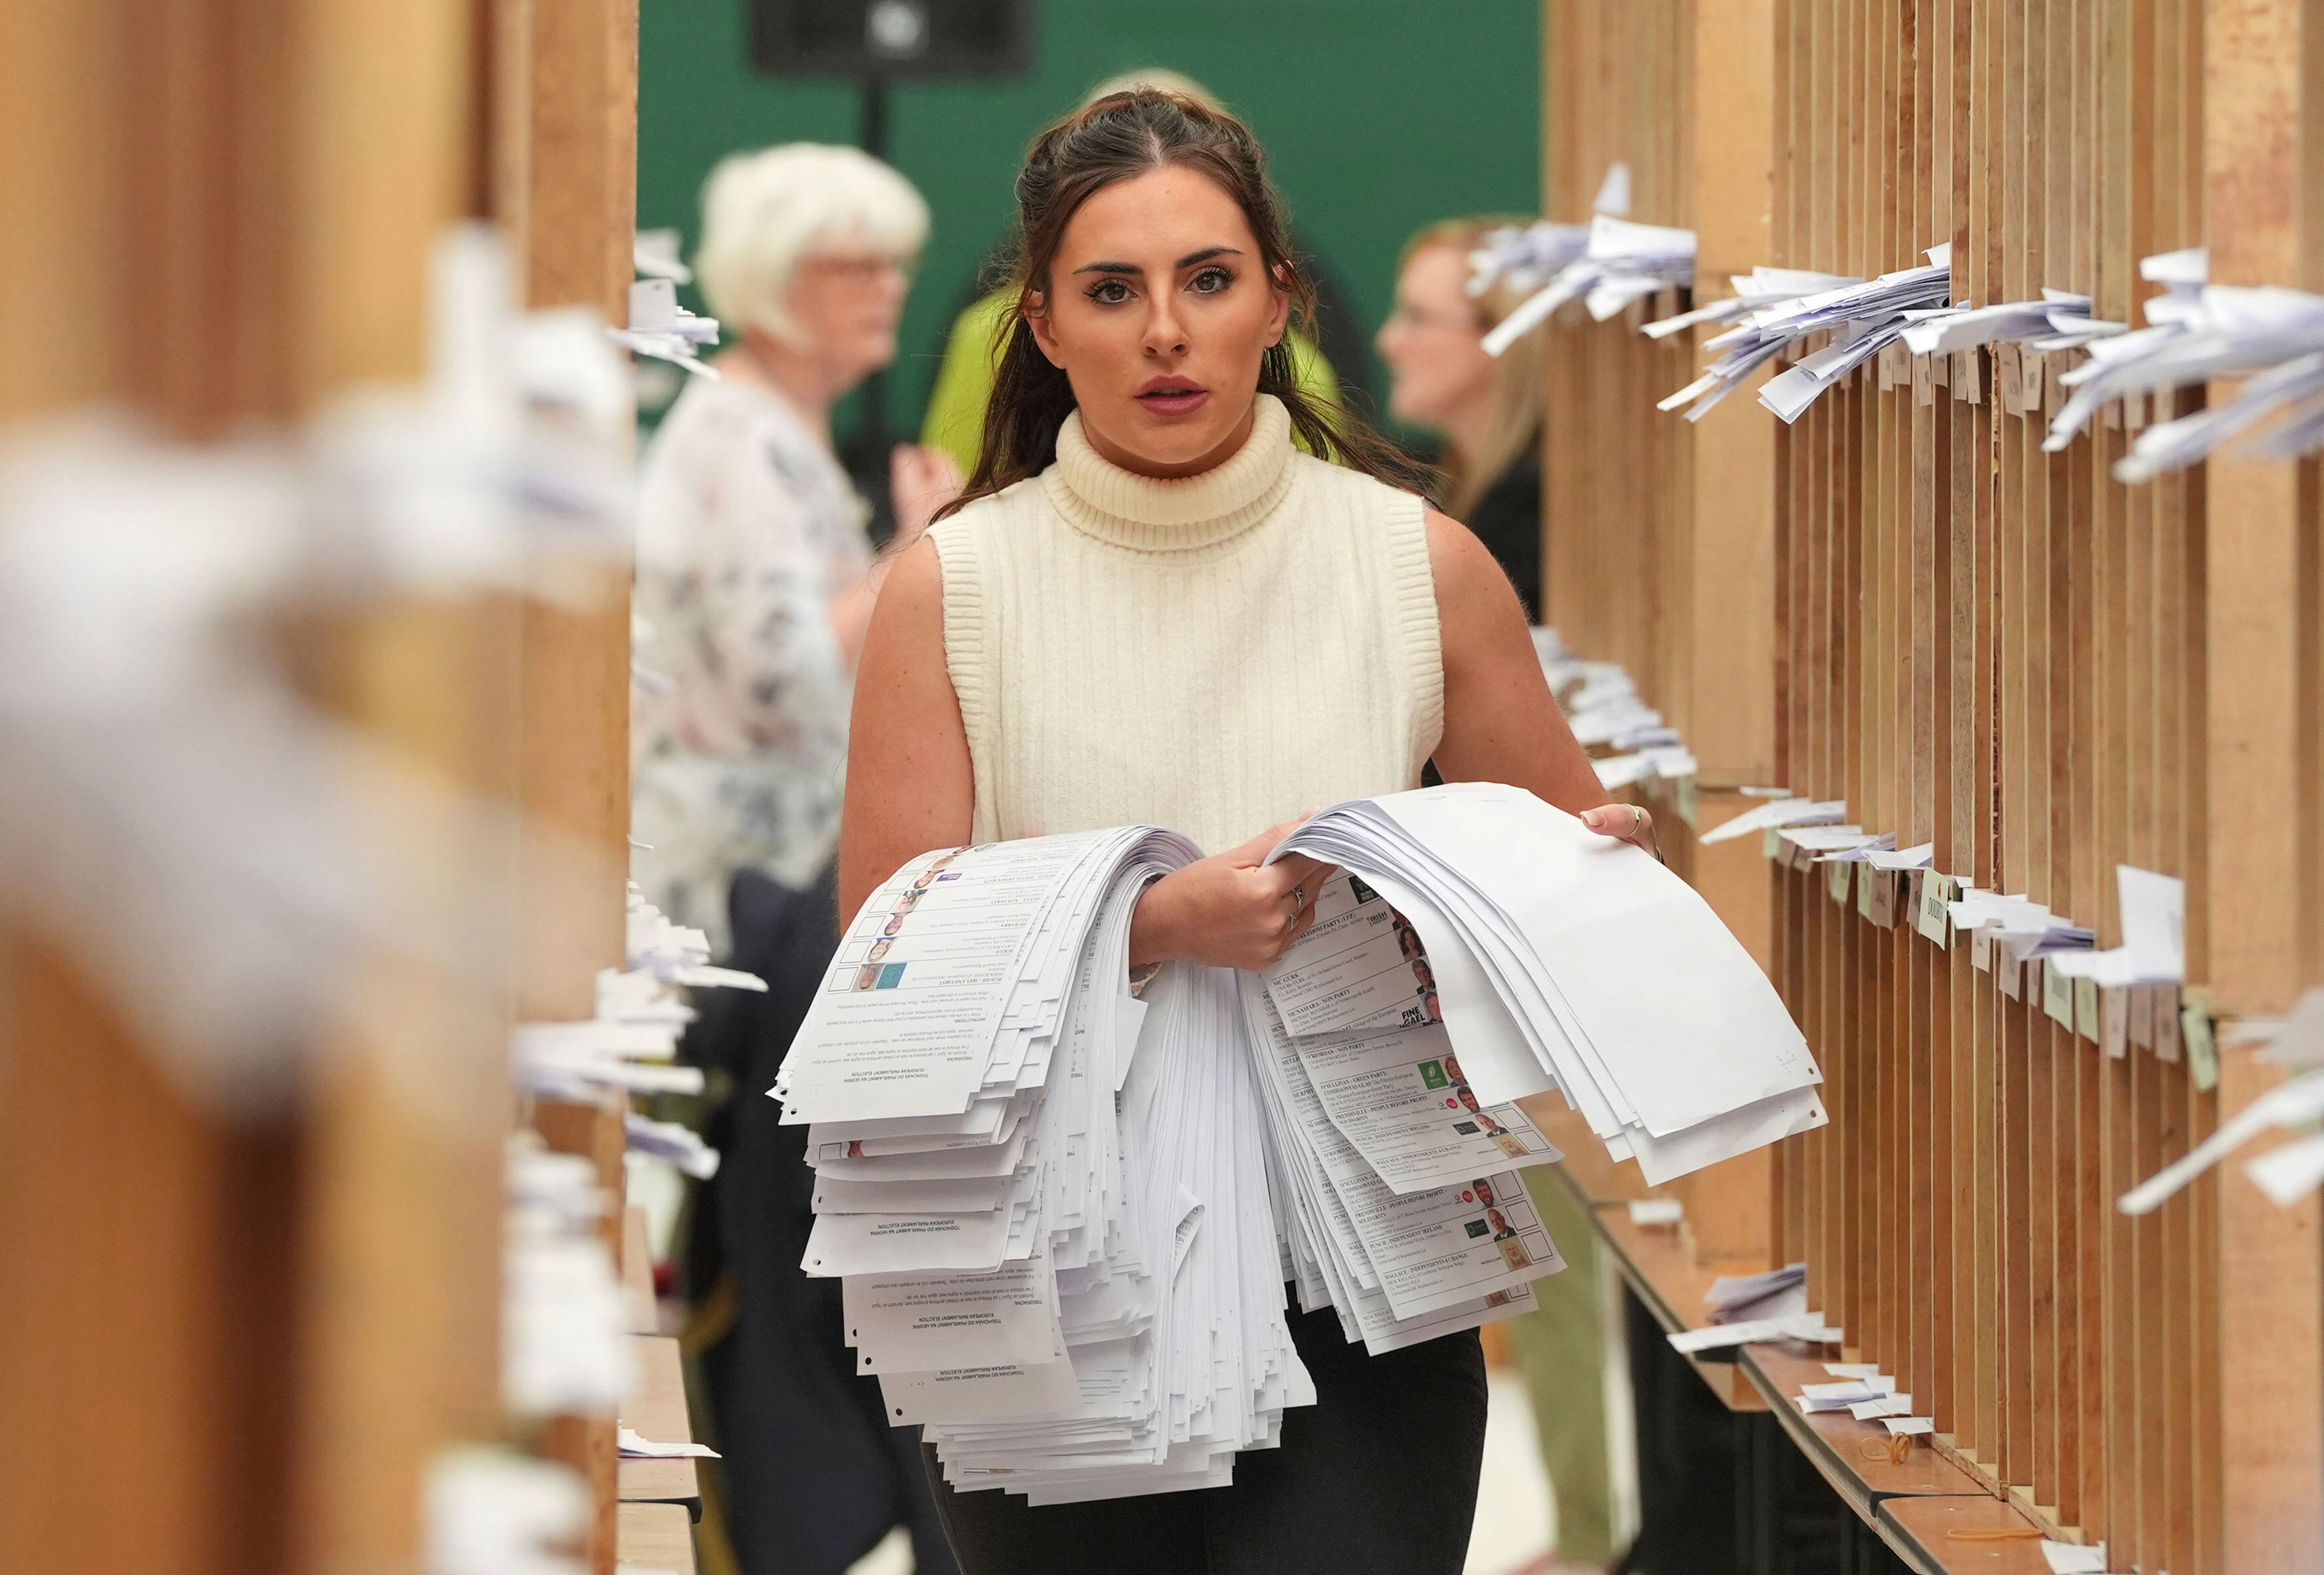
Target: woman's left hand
[1623, 822]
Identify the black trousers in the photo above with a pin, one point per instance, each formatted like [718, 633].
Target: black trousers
[814, 1476]
[1377, 1477]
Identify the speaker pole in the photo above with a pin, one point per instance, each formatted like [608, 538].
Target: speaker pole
[872, 439]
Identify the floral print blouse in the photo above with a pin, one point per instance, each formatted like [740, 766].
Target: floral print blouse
[747, 527]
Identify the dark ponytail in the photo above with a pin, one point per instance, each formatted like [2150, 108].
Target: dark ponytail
[1119, 137]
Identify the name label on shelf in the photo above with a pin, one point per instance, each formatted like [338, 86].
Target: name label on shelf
[1841, 872]
[2058, 998]
[2086, 1010]
[1934, 921]
[1980, 951]
[2114, 1012]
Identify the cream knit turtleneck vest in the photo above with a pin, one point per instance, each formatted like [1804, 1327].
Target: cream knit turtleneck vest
[1216, 654]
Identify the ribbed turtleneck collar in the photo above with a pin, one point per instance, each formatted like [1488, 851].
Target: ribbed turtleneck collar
[1102, 500]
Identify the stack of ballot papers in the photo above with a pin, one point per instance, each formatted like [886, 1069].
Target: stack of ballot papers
[1065, 1216]
[1737, 1298]
[2024, 928]
[1941, 332]
[1406, 1213]
[1754, 292]
[1861, 317]
[1561, 959]
[1073, 1303]
[1623, 262]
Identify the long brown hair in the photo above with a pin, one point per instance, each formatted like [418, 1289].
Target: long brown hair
[1520, 376]
[1114, 138]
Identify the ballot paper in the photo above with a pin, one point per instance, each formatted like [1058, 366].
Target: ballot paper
[635, 1445]
[1804, 1326]
[1775, 814]
[1387, 1261]
[1400, 1099]
[1359, 966]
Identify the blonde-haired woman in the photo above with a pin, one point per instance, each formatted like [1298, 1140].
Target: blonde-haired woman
[1486, 409]
[755, 581]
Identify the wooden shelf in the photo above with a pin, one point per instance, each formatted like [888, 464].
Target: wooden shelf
[654, 1536]
[1834, 1440]
[657, 1411]
[637, 1272]
[1920, 1530]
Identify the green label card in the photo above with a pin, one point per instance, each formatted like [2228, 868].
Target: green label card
[2057, 997]
[2202, 1051]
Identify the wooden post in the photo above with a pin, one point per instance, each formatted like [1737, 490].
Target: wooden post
[564, 184]
[2263, 103]
[258, 1323]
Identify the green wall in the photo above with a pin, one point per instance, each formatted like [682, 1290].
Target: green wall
[1380, 116]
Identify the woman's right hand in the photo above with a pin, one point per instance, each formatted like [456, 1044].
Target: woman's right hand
[1229, 910]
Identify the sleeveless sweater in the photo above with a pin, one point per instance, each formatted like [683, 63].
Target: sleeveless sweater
[1215, 654]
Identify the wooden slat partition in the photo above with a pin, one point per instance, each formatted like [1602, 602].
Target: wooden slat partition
[239, 1332]
[1643, 566]
[238, 1335]
[2010, 655]
[2263, 570]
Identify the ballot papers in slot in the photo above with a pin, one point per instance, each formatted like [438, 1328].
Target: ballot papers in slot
[1066, 1217]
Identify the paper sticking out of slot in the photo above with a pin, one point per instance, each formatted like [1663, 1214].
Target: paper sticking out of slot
[2073, 1559]
[1808, 1327]
[637, 1447]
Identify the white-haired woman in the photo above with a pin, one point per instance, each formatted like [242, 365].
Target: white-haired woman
[755, 580]
[755, 576]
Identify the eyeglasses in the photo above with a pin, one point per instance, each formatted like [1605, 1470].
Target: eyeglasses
[860, 267]
[1409, 317]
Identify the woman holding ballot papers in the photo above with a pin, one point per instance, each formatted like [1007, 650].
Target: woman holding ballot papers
[1151, 609]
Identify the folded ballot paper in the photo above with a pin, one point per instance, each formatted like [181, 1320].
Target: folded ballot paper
[1066, 1217]
[1562, 959]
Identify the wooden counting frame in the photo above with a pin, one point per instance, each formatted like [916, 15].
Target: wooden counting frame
[2007, 653]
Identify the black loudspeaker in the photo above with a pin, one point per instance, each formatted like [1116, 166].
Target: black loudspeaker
[896, 40]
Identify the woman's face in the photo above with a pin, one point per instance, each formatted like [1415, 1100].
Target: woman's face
[1433, 345]
[1158, 310]
[847, 299]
